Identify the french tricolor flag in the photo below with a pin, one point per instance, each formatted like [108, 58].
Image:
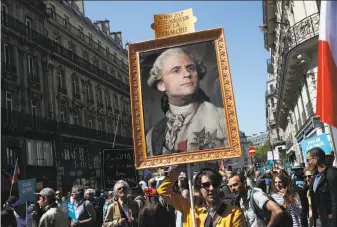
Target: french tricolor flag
[326, 106]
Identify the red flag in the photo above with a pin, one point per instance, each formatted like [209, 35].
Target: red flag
[326, 106]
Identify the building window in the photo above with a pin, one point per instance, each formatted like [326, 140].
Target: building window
[100, 127]
[109, 127]
[9, 100]
[98, 96]
[88, 92]
[10, 159]
[76, 119]
[39, 153]
[272, 102]
[33, 104]
[62, 114]
[28, 26]
[66, 21]
[271, 88]
[7, 55]
[59, 79]
[80, 32]
[4, 9]
[107, 99]
[74, 85]
[31, 66]
[99, 44]
[90, 39]
[90, 123]
[56, 40]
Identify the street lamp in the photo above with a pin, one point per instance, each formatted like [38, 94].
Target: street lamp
[264, 27]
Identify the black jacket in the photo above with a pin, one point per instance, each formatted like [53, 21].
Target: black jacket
[324, 200]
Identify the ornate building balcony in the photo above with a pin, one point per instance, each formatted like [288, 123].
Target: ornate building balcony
[20, 121]
[270, 92]
[300, 37]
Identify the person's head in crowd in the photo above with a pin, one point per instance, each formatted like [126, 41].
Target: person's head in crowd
[19, 207]
[89, 194]
[10, 200]
[97, 193]
[208, 182]
[282, 184]
[153, 213]
[258, 174]
[137, 191]
[308, 176]
[315, 158]
[298, 169]
[237, 184]
[152, 183]
[46, 197]
[8, 218]
[121, 190]
[58, 196]
[77, 193]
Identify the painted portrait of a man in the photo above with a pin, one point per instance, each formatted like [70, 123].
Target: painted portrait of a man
[189, 120]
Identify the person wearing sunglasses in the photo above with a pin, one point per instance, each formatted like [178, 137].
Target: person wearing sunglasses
[323, 189]
[123, 211]
[211, 211]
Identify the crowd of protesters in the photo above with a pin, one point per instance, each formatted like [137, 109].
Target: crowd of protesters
[277, 197]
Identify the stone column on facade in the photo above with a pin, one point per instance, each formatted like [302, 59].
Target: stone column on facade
[23, 80]
[52, 89]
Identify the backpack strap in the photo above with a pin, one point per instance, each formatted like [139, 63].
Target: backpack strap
[218, 214]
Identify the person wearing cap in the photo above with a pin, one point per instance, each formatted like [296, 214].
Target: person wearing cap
[323, 189]
[19, 208]
[177, 74]
[52, 215]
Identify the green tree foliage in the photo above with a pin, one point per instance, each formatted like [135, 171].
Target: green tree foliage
[261, 151]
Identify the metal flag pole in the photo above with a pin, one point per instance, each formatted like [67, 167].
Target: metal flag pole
[26, 213]
[113, 144]
[190, 188]
[13, 178]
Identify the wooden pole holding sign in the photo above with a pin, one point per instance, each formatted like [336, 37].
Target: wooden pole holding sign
[172, 24]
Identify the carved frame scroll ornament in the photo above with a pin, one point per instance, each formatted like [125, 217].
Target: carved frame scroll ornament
[234, 149]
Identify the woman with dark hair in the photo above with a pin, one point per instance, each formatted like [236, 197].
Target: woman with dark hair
[284, 196]
[153, 213]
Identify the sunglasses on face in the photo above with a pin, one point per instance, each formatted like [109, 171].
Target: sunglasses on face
[121, 188]
[309, 176]
[207, 185]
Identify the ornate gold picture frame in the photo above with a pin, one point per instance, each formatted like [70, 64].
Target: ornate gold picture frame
[183, 108]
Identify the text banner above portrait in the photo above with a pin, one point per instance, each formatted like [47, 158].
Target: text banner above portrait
[172, 24]
[182, 100]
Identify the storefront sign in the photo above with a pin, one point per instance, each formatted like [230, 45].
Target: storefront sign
[320, 141]
[27, 188]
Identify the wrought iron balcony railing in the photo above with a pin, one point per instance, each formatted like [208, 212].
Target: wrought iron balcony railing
[300, 32]
[40, 39]
[270, 92]
[8, 71]
[272, 122]
[24, 121]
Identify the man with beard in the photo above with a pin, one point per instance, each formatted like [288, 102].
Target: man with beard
[323, 189]
[237, 184]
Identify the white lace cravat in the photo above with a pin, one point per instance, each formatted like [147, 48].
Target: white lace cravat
[176, 116]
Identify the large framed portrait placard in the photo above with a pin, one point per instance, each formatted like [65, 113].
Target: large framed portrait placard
[182, 101]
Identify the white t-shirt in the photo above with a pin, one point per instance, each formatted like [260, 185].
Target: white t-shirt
[260, 199]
